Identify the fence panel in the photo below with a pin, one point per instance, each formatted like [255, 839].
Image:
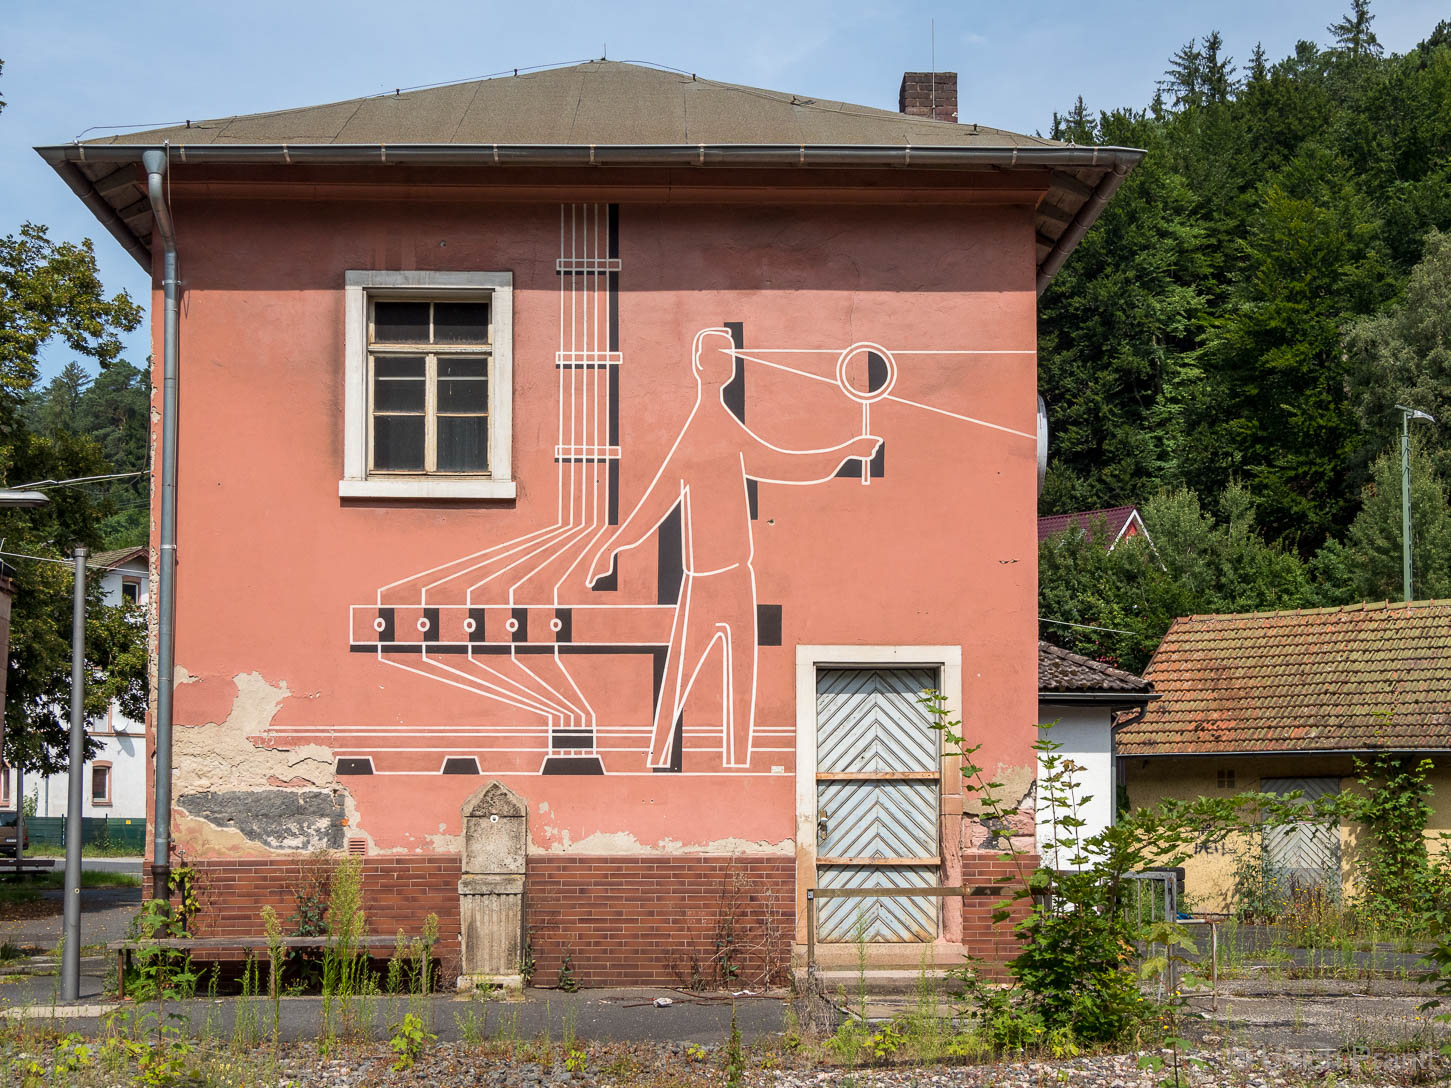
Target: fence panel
[105, 831]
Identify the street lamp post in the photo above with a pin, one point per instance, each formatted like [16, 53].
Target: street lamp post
[1407, 414]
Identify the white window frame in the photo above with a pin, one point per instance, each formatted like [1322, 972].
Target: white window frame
[358, 288]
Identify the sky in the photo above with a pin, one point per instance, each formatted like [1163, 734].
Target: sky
[71, 65]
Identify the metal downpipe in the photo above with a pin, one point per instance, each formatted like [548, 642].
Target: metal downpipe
[155, 163]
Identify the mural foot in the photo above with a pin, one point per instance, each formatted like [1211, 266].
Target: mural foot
[573, 765]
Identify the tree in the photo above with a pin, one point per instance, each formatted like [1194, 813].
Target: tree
[1196, 563]
[1216, 72]
[1274, 408]
[51, 290]
[1116, 325]
[1353, 34]
[1184, 78]
[1259, 69]
[1374, 539]
[1403, 356]
[1077, 126]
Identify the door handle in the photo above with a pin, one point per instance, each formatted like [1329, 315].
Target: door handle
[821, 827]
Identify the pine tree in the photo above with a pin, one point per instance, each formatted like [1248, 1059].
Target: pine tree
[1374, 540]
[1353, 33]
[1258, 67]
[1184, 78]
[1216, 73]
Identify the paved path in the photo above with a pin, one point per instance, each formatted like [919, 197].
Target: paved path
[105, 915]
[619, 1015]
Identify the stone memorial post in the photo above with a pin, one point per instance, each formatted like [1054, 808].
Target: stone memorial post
[491, 889]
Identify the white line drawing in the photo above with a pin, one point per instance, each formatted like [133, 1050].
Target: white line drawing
[505, 622]
[705, 475]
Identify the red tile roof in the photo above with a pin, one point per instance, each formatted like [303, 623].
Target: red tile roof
[1329, 679]
[1116, 517]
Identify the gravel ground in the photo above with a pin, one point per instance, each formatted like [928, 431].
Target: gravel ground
[667, 1065]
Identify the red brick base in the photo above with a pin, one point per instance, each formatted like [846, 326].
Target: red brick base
[621, 920]
[982, 938]
[398, 893]
[672, 920]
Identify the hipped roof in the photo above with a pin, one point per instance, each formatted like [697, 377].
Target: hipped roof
[1359, 678]
[600, 113]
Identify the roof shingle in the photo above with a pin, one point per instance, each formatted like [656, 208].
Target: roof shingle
[1116, 519]
[1062, 671]
[1334, 679]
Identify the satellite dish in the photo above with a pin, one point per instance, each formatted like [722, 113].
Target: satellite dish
[1042, 444]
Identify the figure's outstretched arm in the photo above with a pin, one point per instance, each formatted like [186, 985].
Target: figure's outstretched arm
[649, 512]
[772, 465]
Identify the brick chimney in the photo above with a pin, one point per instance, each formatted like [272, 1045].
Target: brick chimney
[918, 97]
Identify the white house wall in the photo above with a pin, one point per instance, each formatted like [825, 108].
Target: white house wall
[122, 743]
[1085, 736]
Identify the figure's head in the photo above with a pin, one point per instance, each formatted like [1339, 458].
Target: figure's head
[713, 359]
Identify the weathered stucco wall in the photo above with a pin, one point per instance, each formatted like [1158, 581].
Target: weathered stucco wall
[1209, 875]
[939, 549]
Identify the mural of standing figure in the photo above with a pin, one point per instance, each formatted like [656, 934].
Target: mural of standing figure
[706, 472]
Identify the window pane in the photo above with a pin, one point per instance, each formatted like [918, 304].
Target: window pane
[461, 322]
[395, 322]
[451, 367]
[98, 783]
[463, 395]
[398, 366]
[463, 444]
[398, 443]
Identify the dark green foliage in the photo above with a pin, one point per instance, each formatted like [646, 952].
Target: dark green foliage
[1199, 561]
[50, 291]
[1244, 309]
[1394, 806]
[1374, 540]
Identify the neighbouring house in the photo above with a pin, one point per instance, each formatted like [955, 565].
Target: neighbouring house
[1078, 700]
[1119, 523]
[1288, 701]
[586, 434]
[7, 595]
[115, 777]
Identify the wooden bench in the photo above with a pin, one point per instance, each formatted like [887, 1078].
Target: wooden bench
[124, 949]
[27, 867]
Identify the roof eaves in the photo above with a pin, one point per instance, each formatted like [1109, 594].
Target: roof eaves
[1117, 161]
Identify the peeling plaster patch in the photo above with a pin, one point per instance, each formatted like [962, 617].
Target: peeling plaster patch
[446, 844]
[206, 838]
[1016, 831]
[275, 819]
[291, 783]
[181, 676]
[624, 844]
[220, 755]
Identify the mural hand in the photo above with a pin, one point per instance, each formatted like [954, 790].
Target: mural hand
[864, 447]
[604, 562]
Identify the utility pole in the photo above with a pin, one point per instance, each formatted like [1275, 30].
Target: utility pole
[70, 965]
[1407, 414]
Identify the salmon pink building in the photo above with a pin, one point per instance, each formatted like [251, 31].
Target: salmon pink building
[580, 475]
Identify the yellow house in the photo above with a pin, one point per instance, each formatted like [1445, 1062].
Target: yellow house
[1288, 701]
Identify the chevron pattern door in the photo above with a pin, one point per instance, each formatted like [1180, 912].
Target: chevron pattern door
[877, 782]
[1305, 854]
